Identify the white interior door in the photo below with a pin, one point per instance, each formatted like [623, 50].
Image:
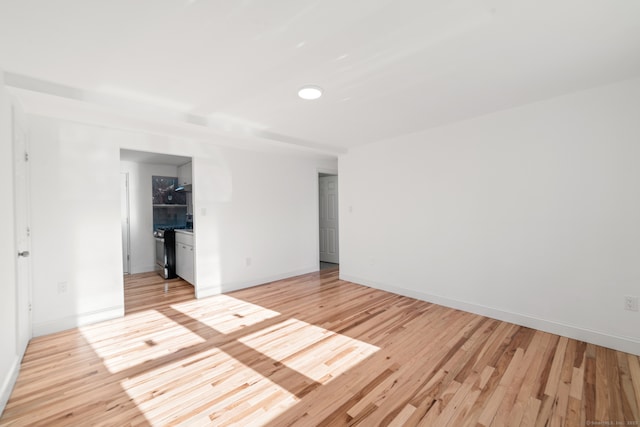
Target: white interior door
[329, 251]
[124, 221]
[22, 234]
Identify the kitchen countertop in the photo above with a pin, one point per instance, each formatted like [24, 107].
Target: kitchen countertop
[185, 231]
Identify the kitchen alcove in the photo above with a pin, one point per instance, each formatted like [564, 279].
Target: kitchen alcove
[169, 205]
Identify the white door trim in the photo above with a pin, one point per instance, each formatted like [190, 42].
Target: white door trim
[125, 223]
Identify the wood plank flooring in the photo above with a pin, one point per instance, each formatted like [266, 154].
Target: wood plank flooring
[315, 351]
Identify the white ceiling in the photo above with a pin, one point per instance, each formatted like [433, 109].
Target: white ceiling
[388, 67]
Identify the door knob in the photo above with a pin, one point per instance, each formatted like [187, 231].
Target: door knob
[23, 254]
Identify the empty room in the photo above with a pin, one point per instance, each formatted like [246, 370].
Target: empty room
[193, 238]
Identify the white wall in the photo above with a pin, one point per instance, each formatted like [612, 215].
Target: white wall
[530, 215]
[74, 227]
[9, 354]
[247, 205]
[262, 207]
[142, 242]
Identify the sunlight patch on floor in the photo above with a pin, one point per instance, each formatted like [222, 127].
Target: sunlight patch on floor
[314, 352]
[122, 349]
[226, 314]
[187, 391]
[222, 361]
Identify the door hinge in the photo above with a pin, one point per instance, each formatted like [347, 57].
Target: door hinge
[29, 306]
[26, 156]
[127, 257]
[28, 232]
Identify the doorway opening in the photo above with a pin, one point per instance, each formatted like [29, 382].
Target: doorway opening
[329, 227]
[156, 206]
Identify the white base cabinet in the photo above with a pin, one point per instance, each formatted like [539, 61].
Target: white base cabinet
[185, 256]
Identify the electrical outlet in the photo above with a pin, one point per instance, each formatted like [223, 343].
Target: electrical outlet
[247, 262]
[631, 303]
[63, 287]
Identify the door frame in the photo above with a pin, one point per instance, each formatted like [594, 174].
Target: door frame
[125, 197]
[319, 171]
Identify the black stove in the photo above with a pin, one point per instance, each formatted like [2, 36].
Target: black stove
[159, 232]
[166, 252]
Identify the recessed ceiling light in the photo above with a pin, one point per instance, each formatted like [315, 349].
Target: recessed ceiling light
[310, 92]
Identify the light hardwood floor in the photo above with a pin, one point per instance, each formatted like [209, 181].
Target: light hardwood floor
[315, 350]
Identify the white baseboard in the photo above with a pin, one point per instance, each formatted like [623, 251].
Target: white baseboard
[70, 322]
[626, 344]
[9, 382]
[235, 286]
[143, 269]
